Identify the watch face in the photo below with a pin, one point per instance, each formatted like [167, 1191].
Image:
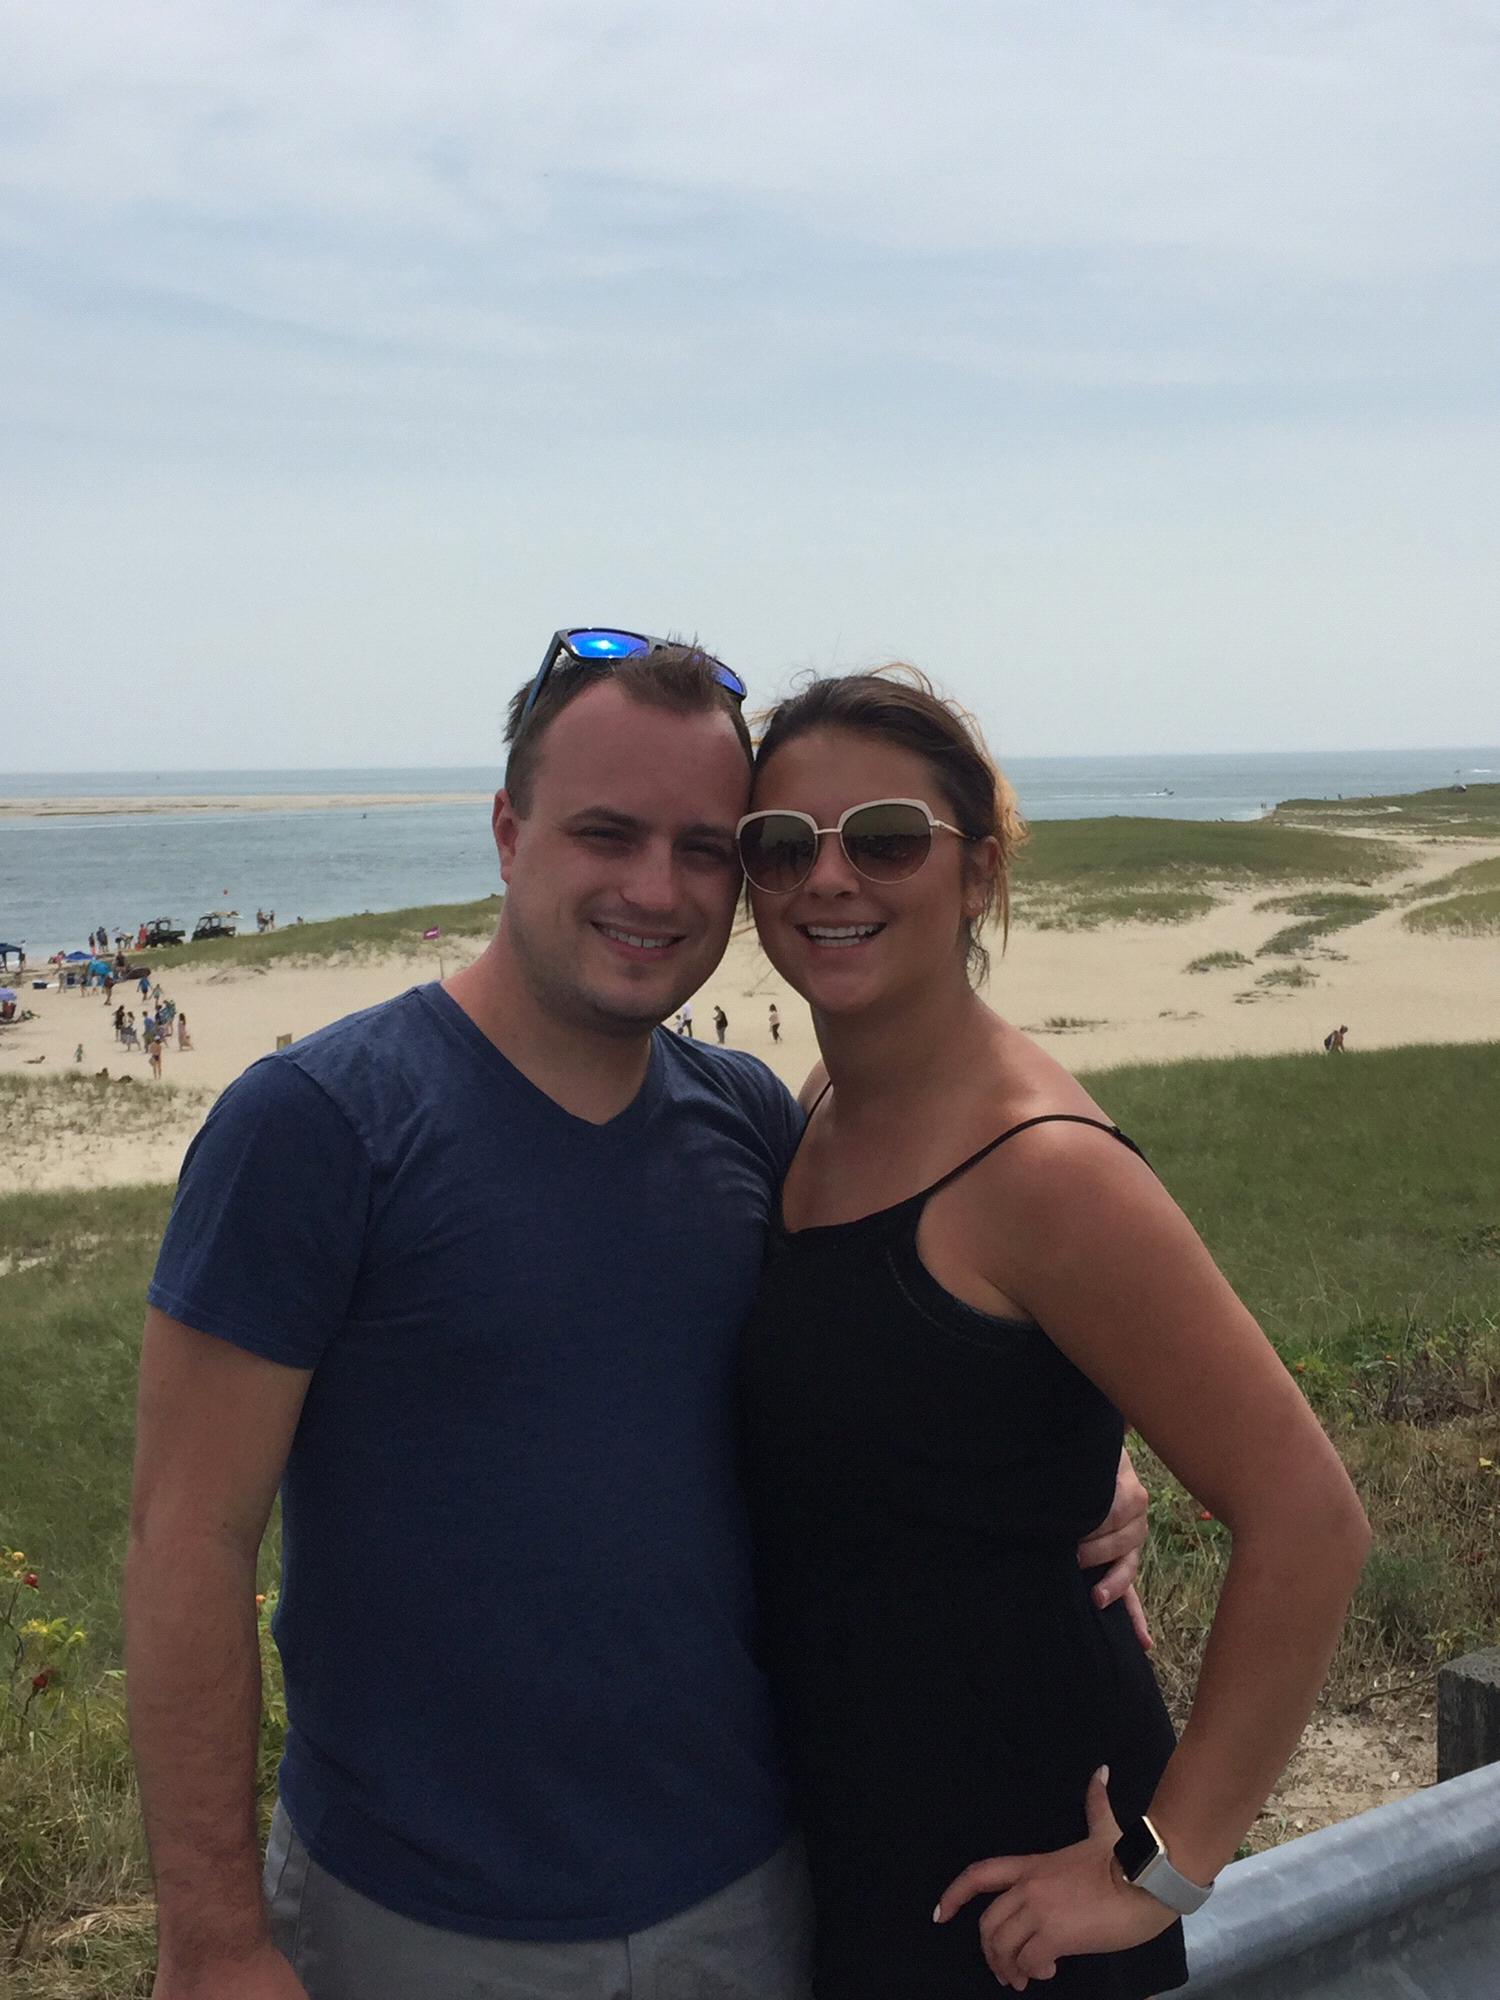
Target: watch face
[1136, 1848]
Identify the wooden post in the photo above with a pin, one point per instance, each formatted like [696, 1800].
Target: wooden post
[1468, 1714]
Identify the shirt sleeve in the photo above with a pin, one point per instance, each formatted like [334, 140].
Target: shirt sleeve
[265, 1238]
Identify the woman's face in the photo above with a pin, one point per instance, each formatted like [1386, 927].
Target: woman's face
[844, 942]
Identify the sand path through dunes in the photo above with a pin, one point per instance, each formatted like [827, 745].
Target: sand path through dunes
[1122, 991]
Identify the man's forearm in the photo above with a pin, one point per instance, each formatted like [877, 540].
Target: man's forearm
[193, 1685]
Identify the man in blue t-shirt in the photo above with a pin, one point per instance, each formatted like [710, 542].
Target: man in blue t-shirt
[462, 1277]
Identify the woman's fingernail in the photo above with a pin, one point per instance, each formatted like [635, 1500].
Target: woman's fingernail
[937, 1913]
[1102, 1774]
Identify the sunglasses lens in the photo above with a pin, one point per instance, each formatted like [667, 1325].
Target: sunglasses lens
[598, 645]
[886, 843]
[777, 852]
[728, 678]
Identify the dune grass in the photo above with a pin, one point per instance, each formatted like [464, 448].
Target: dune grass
[1471, 813]
[1350, 1201]
[1321, 914]
[369, 933]
[1076, 874]
[1216, 961]
[1465, 903]
[1082, 855]
[1477, 915]
[1473, 876]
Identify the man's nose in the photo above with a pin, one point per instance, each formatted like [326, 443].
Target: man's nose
[651, 879]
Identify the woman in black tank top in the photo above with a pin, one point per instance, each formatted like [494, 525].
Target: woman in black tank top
[973, 1275]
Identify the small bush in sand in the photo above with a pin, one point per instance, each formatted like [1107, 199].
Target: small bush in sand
[1212, 961]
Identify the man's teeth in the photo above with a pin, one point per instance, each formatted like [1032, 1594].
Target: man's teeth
[630, 937]
[840, 934]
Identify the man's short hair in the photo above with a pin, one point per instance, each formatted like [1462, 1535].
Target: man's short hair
[679, 678]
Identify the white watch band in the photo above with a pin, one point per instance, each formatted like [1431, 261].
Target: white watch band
[1160, 1879]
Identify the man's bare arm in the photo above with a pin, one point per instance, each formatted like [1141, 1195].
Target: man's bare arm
[214, 1425]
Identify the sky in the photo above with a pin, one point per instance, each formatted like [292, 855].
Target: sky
[1131, 367]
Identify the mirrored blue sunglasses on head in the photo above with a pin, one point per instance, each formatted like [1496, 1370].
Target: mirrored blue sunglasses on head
[589, 645]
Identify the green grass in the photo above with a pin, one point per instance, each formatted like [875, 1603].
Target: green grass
[1351, 1204]
[370, 932]
[1075, 874]
[1333, 1193]
[1287, 975]
[1078, 856]
[1477, 915]
[1216, 961]
[1321, 915]
[67, 1104]
[1114, 906]
[1472, 813]
[1472, 876]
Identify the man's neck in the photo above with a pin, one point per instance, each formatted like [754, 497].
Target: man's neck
[592, 1076]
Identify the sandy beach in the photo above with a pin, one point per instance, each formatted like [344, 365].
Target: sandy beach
[84, 807]
[1098, 998]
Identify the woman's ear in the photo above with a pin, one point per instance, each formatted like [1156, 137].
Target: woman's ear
[981, 865]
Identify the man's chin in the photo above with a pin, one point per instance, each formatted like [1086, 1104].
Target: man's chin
[627, 1015]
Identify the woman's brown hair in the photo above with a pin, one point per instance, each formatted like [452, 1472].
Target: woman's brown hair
[899, 704]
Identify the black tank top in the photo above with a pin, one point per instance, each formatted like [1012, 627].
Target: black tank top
[919, 1476]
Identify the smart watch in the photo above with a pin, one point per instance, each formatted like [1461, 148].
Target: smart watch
[1143, 1862]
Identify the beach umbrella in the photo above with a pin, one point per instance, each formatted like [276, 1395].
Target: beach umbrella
[7, 993]
[74, 957]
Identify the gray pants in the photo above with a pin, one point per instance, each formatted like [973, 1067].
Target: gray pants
[751, 1941]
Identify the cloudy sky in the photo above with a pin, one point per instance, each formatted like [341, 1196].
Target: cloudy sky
[1131, 366]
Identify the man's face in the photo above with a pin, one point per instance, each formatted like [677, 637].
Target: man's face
[621, 880]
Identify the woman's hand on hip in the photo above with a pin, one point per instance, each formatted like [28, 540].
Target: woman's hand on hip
[1057, 1905]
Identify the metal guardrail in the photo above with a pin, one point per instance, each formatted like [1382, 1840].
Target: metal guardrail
[1401, 1903]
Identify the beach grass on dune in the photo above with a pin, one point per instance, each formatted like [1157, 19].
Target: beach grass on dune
[1350, 1200]
[1075, 874]
[1473, 876]
[370, 932]
[1472, 813]
[1476, 915]
[1319, 915]
[1216, 961]
[1087, 855]
[68, 1106]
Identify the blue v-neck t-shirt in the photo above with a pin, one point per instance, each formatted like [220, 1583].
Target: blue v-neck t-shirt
[516, 1617]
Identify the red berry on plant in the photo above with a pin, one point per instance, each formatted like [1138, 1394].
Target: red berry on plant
[30, 1580]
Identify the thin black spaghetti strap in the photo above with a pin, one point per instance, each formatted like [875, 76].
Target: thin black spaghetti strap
[819, 1098]
[1046, 1118]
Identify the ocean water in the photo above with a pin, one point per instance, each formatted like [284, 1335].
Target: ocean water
[62, 877]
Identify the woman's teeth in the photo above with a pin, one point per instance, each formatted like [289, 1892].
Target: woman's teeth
[839, 934]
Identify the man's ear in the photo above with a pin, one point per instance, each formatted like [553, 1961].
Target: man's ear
[505, 824]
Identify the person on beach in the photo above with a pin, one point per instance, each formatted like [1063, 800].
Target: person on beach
[721, 1024]
[1333, 1042]
[974, 1282]
[119, 1020]
[775, 1020]
[184, 1040]
[464, 1274]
